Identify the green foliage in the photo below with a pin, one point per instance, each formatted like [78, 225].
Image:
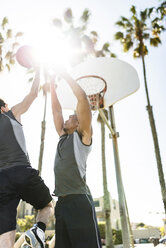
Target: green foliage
[162, 10]
[117, 234]
[113, 55]
[155, 41]
[101, 226]
[127, 46]
[119, 36]
[138, 50]
[94, 33]
[146, 36]
[144, 15]
[26, 223]
[68, 16]
[133, 10]
[162, 231]
[17, 236]
[8, 44]
[75, 32]
[85, 15]
[140, 225]
[150, 11]
[4, 22]
[48, 239]
[120, 23]
[106, 47]
[117, 237]
[138, 29]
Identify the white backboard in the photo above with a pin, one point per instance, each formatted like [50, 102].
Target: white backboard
[121, 78]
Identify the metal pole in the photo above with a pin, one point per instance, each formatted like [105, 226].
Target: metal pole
[106, 122]
[122, 205]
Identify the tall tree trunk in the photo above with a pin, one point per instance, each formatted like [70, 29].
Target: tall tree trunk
[129, 223]
[155, 140]
[43, 130]
[107, 207]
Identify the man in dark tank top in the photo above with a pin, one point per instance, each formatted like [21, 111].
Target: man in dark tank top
[18, 180]
[76, 223]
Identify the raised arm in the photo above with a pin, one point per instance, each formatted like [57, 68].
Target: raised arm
[83, 110]
[23, 106]
[56, 109]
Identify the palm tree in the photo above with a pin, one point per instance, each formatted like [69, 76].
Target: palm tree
[138, 30]
[45, 90]
[107, 207]
[8, 45]
[75, 32]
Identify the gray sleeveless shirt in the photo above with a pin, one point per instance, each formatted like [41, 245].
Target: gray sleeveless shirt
[12, 142]
[70, 166]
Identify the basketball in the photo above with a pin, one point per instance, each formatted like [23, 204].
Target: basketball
[25, 56]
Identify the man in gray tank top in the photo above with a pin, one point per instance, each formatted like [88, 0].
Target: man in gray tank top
[18, 180]
[76, 224]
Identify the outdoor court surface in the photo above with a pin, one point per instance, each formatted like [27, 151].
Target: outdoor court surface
[142, 246]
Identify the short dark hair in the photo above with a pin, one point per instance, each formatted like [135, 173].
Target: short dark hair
[2, 104]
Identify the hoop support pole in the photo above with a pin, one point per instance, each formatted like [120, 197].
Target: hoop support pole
[101, 112]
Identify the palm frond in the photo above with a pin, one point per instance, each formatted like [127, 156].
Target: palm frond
[133, 9]
[129, 25]
[127, 46]
[94, 33]
[113, 55]
[8, 55]
[4, 22]
[12, 61]
[146, 36]
[1, 66]
[68, 16]
[155, 41]
[163, 4]
[18, 34]
[8, 67]
[150, 10]
[120, 23]
[143, 15]
[1, 38]
[145, 50]
[137, 53]
[106, 47]
[156, 20]
[119, 35]
[85, 15]
[124, 19]
[9, 34]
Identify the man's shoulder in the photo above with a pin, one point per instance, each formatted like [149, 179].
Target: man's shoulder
[86, 141]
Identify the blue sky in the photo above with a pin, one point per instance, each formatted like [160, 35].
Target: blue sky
[138, 164]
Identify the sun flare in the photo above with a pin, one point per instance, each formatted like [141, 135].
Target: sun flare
[52, 49]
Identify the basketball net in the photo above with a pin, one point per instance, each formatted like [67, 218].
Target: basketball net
[95, 88]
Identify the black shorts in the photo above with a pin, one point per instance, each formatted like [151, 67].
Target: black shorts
[20, 182]
[76, 224]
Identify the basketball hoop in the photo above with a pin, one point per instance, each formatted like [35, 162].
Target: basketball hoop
[95, 88]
